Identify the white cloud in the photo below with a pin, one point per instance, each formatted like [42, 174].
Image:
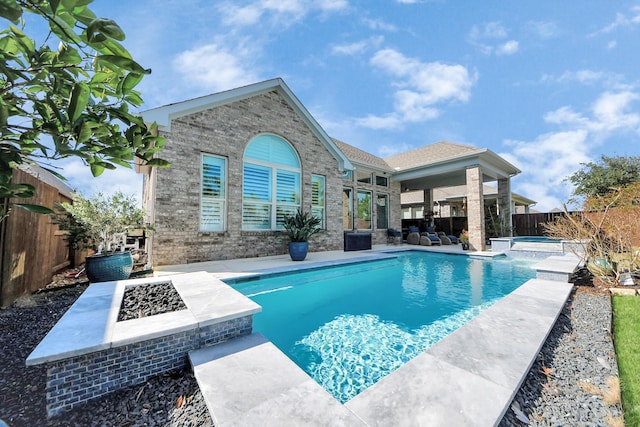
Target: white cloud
[489, 30]
[421, 86]
[488, 39]
[356, 47]
[508, 48]
[281, 12]
[420, 90]
[378, 24]
[549, 159]
[81, 180]
[215, 67]
[622, 21]
[545, 163]
[389, 121]
[609, 114]
[543, 29]
[610, 111]
[609, 80]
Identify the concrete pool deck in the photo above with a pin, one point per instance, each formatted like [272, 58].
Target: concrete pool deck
[468, 378]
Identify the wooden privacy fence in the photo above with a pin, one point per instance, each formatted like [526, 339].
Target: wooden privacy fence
[531, 224]
[33, 248]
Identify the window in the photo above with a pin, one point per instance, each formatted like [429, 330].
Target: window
[382, 211]
[213, 193]
[347, 208]
[271, 183]
[363, 176]
[364, 210]
[317, 198]
[382, 181]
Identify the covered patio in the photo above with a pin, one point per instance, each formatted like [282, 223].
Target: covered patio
[446, 164]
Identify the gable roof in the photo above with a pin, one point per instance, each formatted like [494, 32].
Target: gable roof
[356, 155]
[165, 114]
[434, 153]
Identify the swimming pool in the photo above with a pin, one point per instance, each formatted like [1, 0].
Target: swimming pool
[349, 326]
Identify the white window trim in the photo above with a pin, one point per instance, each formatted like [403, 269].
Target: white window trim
[222, 200]
[273, 203]
[323, 207]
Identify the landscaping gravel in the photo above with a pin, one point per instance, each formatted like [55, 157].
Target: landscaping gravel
[149, 300]
[168, 400]
[574, 380]
[569, 383]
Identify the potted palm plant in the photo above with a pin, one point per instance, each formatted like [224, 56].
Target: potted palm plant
[101, 223]
[300, 227]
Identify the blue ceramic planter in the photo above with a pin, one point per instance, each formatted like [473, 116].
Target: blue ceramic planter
[106, 268]
[298, 250]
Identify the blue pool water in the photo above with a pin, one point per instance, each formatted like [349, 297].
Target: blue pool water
[349, 326]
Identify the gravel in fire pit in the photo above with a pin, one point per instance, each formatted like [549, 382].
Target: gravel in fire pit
[149, 300]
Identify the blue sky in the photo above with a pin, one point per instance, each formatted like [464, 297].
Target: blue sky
[548, 85]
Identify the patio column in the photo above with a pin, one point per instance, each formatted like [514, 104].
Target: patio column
[475, 208]
[427, 205]
[505, 205]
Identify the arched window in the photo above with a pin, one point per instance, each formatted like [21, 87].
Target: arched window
[271, 183]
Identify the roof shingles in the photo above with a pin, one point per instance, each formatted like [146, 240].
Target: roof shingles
[430, 154]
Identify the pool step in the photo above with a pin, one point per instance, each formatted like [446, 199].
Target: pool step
[249, 381]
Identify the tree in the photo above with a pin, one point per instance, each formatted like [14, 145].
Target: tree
[610, 173]
[606, 233]
[98, 221]
[76, 87]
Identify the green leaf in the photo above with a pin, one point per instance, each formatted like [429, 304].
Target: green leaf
[96, 169]
[158, 163]
[10, 10]
[122, 62]
[61, 28]
[21, 190]
[35, 208]
[68, 55]
[131, 81]
[78, 101]
[106, 28]
[54, 5]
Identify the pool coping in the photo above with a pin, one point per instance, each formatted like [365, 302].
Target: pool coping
[469, 377]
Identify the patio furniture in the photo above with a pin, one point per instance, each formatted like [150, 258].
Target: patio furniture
[425, 240]
[356, 241]
[413, 238]
[446, 240]
[435, 240]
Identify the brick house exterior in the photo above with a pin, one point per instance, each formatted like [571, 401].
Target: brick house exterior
[360, 192]
[222, 125]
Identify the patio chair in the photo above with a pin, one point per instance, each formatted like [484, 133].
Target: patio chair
[413, 238]
[435, 240]
[446, 240]
[425, 240]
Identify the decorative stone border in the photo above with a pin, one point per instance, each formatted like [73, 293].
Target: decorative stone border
[89, 353]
